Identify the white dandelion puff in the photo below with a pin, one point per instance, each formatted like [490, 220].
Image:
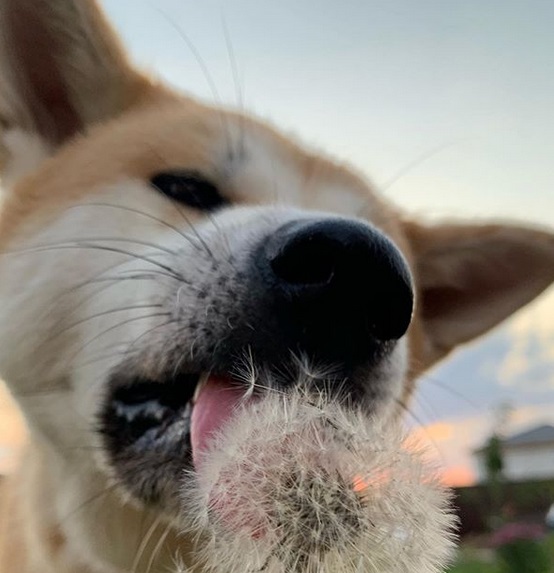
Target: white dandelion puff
[300, 484]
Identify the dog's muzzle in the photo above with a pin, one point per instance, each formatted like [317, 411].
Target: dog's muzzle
[330, 293]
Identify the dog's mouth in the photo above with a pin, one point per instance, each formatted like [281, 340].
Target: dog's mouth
[145, 409]
[155, 429]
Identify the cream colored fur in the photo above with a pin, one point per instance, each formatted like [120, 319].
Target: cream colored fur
[83, 137]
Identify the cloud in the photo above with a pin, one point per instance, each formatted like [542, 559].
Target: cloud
[530, 360]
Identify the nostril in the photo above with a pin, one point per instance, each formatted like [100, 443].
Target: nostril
[306, 260]
[340, 282]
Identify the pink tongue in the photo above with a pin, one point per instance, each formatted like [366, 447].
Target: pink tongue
[214, 406]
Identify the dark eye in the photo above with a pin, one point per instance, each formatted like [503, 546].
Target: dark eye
[190, 188]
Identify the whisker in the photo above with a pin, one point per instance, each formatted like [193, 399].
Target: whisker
[142, 213]
[85, 246]
[102, 357]
[452, 391]
[88, 240]
[127, 345]
[419, 160]
[97, 277]
[115, 327]
[104, 313]
[221, 234]
[239, 88]
[59, 388]
[426, 409]
[201, 240]
[176, 207]
[125, 240]
[401, 173]
[421, 425]
[90, 500]
[138, 274]
[144, 543]
[158, 547]
[112, 281]
[205, 71]
[149, 331]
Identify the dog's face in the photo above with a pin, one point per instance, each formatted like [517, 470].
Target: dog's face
[152, 244]
[193, 258]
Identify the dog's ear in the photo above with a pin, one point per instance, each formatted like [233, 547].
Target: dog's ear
[471, 277]
[62, 68]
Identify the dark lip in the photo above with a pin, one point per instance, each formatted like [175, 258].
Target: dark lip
[141, 405]
[144, 426]
[169, 391]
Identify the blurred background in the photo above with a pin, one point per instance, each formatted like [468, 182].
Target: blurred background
[447, 108]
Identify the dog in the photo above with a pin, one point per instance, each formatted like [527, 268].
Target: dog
[152, 246]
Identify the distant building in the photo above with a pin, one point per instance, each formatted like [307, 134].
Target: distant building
[528, 455]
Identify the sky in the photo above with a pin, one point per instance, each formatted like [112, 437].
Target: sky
[445, 106]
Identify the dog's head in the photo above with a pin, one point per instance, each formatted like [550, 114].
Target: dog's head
[150, 242]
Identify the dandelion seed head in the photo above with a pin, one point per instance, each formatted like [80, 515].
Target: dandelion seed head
[297, 483]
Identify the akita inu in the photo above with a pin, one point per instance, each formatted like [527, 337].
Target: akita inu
[150, 241]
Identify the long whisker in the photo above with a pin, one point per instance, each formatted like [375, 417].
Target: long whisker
[58, 388]
[139, 274]
[103, 313]
[115, 327]
[401, 173]
[112, 282]
[455, 393]
[143, 214]
[144, 543]
[239, 88]
[426, 408]
[90, 500]
[205, 71]
[220, 232]
[158, 547]
[129, 347]
[201, 239]
[419, 160]
[104, 356]
[418, 365]
[147, 332]
[86, 246]
[176, 207]
[111, 240]
[421, 425]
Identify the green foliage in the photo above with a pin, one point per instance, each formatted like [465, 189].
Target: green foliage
[494, 461]
[474, 567]
[548, 544]
[524, 556]
[476, 505]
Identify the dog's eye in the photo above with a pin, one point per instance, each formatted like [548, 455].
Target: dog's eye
[190, 188]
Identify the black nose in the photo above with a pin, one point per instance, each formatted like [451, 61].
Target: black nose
[340, 282]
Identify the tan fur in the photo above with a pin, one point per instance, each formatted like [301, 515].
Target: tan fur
[138, 127]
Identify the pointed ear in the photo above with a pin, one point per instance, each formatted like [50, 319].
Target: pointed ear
[62, 68]
[471, 277]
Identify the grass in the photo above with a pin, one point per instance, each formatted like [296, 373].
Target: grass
[471, 560]
[474, 567]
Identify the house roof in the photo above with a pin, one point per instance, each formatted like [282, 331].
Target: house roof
[539, 435]
[535, 436]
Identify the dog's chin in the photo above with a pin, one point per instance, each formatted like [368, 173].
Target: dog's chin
[153, 429]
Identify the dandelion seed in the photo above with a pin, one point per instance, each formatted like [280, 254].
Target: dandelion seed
[297, 483]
